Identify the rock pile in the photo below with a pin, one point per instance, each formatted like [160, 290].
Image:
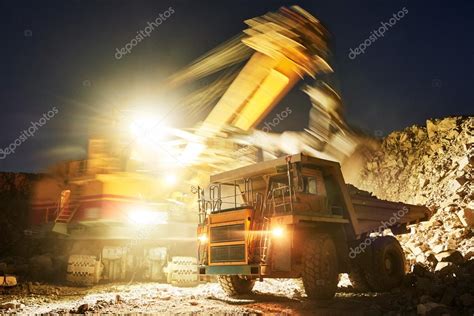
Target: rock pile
[430, 165]
[431, 290]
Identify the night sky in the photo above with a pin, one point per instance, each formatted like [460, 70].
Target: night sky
[62, 54]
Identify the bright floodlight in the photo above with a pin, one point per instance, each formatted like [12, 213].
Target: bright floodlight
[148, 128]
[171, 179]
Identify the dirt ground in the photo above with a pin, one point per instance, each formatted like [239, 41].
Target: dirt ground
[278, 297]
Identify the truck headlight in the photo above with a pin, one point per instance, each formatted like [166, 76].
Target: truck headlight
[203, 238]
[278, 231]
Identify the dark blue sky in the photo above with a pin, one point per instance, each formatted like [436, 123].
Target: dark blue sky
[61, 53]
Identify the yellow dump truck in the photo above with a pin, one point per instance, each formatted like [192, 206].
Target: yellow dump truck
[295, 217]
[113, 222]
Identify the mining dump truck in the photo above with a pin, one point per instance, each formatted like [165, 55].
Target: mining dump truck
[295, 217]
[113, 222]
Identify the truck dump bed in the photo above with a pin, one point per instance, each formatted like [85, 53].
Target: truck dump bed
[374, 214]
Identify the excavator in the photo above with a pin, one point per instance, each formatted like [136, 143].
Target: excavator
[116, 220]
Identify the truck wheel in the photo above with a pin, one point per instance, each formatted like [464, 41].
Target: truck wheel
[235, 284]
[320, 267]
[388, 264]
[358, 279]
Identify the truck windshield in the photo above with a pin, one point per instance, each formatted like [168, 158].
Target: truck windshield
[310, 185]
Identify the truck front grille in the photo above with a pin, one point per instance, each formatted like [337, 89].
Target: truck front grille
[231, 253]
[228, 233]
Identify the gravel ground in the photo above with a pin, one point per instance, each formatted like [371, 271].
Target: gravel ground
[283, 297]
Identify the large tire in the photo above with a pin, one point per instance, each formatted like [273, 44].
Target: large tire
[358, 279]
[320, 267]
[235, 284]
[388, 264]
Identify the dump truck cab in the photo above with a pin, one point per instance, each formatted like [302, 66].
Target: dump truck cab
[286, 218]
